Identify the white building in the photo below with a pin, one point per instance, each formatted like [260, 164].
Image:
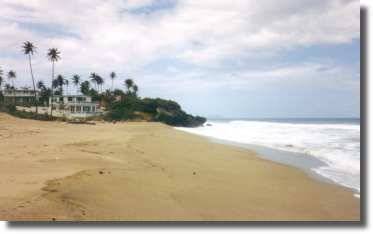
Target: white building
[74, 106]
[20, 97]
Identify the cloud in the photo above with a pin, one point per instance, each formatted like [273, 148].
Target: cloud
[205, 37]
[195, 31]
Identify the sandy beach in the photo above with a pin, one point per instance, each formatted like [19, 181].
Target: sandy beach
[150, 171]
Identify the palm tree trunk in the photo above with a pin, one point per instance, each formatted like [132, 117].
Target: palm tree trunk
[14, 93]
[112, 84]
[33, 84]
[52, 89]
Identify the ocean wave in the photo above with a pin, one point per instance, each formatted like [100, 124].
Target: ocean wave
[335, 144]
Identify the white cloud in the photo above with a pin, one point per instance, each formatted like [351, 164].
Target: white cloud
[96, 35]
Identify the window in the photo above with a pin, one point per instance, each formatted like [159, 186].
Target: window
[70, 99]
[72, 109]
[61, 99]
[78, 108]
[80, 99]
[86, 108]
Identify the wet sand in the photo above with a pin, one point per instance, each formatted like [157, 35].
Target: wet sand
[150, 171]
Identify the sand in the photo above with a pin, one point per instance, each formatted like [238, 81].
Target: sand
[150, 171]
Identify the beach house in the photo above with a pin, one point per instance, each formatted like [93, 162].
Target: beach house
[74, 106]
[20, 97]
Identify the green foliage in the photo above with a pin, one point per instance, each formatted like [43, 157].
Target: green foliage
[158, 109]
[125, 109]
[84, 87]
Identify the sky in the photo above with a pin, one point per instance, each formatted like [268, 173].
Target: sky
[217, 58]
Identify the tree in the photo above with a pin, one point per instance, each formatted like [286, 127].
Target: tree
[1, 78]
[53, 56]
[135, 89]
[59, 83]
[76, 82]
[66, 83]
[84, 87]
[40, 85]
[29, 49]
[129, 83]
[100, 82]
[45, 92]
[12, 76]
[8, 87]
[112, 76]
[93, 78]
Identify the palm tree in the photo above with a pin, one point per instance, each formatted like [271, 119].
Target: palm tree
[53, 56]
[84, 87]
[135, 89]
[59, 82]
[8, 87]
[1, 78]
[45, 93]
[12, 76]
[29, 49]
[76, 82]
[100, 82]
[1, 83]
[94, 79]
[55, 84]
[66, 82]
[40, 85]
[129, 83]
[112, 76]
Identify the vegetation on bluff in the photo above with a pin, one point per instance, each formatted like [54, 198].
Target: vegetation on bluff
[150, 109]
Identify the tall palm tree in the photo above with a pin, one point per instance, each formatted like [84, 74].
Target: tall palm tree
[112, 76]
[129, 83]
[12, 76]
[29, 49]
[100, 81]
[53, 56]
[76, 82]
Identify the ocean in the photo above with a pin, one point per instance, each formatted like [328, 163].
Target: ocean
[335, 142]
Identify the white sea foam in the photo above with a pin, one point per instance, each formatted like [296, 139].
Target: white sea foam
[336, 144]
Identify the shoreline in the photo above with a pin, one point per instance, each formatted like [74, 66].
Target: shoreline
[288, 158]
[320, 157]
[150, 171]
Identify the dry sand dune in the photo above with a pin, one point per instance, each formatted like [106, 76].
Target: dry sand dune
[149, 171]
